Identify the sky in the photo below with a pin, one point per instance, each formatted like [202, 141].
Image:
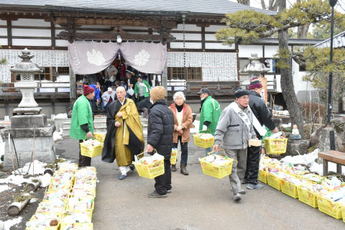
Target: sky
[257, 3]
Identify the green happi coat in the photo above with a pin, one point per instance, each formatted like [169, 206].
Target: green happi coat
[81, 114]
[210, 111]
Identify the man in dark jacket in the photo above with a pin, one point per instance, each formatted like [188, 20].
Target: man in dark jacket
[160, 138]
[264, 116]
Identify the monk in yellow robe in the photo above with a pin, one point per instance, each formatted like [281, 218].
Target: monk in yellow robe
[124, 133]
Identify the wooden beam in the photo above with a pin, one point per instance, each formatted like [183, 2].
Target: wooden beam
[111, 36]
[110, 22]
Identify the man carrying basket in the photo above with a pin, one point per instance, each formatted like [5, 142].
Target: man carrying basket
[160, 138]
[233, 132]
[82, 121]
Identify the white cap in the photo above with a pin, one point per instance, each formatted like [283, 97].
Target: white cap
[110, 89]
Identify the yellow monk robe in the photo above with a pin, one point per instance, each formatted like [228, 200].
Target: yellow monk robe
[130, 118]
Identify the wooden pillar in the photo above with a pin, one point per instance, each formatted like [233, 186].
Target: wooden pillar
[203, 40]
[53, 40]
[73, 83]
[165, 77]
[9, 33]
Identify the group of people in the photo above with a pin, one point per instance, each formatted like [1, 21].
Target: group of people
[169, 126]
[136, 85]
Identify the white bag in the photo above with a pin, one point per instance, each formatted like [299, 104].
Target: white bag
[130, 92]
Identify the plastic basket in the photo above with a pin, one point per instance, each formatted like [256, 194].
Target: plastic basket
[275, 146]
[149, 171]
[306, 196]
[90, 151]
[203, 142]
[173, 157]
[262, 176]
[99, 137]
[289, 188]
[333, 209]
[76, 226]
[216, 171]
[274, 181]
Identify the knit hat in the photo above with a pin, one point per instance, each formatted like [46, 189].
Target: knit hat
[88, 90]
[204, 90]
[241, 92]
[255, 83]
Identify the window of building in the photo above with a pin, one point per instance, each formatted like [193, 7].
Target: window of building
[185, 73]
[46, 74]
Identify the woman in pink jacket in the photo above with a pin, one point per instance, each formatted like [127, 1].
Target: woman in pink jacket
[183, 121]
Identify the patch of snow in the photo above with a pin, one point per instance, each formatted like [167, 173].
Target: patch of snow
[33, 200]
[45, 180]
[58, 135]
[6, 225]
[310, 160]
[14, 179]
[61, 116]
[4, 188]
[31, 168]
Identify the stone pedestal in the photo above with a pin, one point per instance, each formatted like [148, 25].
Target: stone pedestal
[25, 121]
[324, 139]
[30, 143]
[297, 147]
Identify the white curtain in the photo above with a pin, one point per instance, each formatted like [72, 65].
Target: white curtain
[93, 57]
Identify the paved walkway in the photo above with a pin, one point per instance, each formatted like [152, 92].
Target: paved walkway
[198, 202]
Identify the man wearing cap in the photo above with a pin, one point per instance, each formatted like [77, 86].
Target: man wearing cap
[209, 112]
[264, 117]
[108, 97]
[82, 121]
[233, 132]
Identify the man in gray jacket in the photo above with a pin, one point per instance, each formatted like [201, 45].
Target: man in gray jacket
[233, 132]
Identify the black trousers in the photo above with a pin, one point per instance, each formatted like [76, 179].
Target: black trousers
[163, 182]
[83, 160]
[184, 150]
[253, 160]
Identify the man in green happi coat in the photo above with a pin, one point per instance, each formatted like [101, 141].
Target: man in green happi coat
[209, 113]
[82, 121]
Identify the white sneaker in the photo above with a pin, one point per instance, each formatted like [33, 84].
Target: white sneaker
[123, 170]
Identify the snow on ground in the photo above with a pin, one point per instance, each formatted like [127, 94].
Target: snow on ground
[19, 176]
[4, 188]
[310, 160]
[34, 168]
[6, 225]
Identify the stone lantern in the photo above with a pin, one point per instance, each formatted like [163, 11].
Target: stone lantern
[30, 136]
[26, 69]
[255, 68]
